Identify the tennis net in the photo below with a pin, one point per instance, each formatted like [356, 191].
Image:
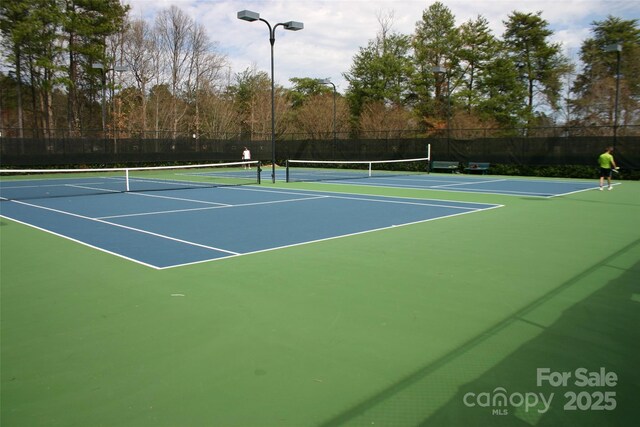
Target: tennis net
[21, 184]
[328, 170]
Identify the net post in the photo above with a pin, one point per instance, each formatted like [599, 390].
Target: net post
[370, 163]
[259, 167]
[287, 170]
[126, 179]
[428, 158]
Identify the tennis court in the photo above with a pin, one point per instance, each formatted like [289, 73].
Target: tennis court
[394, 301]
[413, 174]
[196, 225]
[508, 186]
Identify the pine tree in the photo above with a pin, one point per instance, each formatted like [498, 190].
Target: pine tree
[86, 27]
[436, 42]
[595, 85]
[539, 62]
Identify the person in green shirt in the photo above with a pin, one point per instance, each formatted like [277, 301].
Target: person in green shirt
[607, 165]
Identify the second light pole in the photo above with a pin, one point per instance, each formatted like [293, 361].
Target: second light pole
[617, 48]
[443, 71]
[329, 82]
[247, 15]
[103, 72]
[100, 66]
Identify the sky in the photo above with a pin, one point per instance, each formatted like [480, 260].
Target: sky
[334, 30]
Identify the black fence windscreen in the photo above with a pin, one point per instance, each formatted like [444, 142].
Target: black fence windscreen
[543, 151]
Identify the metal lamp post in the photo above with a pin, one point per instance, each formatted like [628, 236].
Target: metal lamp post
[617, 48]
[247, 15]
[120, 69]
[103, 71]
[329, 82]
[439, 70]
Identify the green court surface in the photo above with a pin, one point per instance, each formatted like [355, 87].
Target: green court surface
[427, 324]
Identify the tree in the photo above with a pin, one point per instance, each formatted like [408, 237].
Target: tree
[381, 71]
[140, 50]
[45, 60]
[220, 112]
[313, 108]
[540, 64]
[251, 89]
[174, 27]
[192, 63]
[161, 98]
[29, 30]
[595, 85]
[86, 26]
[436, 42]
[305, 88]
[502, 92]
[252, 95]
[12, 16]
[478, 48]
[384, 121]
[205, 70]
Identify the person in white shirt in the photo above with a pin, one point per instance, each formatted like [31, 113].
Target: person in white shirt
[246, 156]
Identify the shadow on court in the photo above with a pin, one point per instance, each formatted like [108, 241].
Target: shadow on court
[599, 331]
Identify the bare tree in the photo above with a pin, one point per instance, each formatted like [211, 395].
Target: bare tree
[140, 52]
[220, 112]
[315, 117]
[205, 69]
[174, 29]
[386, 122]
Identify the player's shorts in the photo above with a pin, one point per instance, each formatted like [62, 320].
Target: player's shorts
[605, 172]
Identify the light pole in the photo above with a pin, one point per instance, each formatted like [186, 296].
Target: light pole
[617, 48]
[439, 70]
[329, 82]
[103, 71]
[247, 15]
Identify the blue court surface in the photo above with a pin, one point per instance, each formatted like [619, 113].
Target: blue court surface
[174, 228]
[508, 186]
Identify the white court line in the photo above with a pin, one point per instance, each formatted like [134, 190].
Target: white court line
[43, 185]
[307, 192]
[210, 208]
[595, 187]
[98, 248]
[423, 188]
[177, 198]
[403, 203]
[235, 254]
[470, 183]
[331, 238]
[57, 184]
[366, 198]
[429, 187]
[174, 183]
[162, 236]
[417, 178]
[91, 188]
[454, 178]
